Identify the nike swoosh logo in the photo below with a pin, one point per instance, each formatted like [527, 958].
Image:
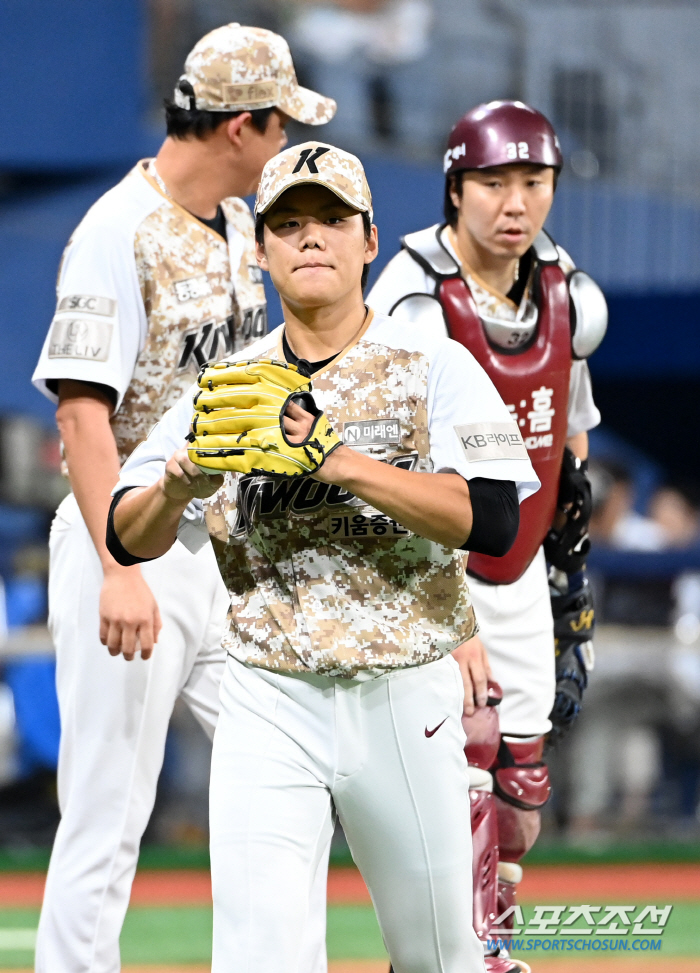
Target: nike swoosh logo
[430, 733]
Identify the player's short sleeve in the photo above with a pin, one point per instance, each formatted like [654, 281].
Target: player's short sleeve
[100, 321]
[146, 465]
[583, 414]
[471, 430]
[401, 276]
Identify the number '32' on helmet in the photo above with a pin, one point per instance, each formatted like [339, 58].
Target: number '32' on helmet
[501, 133]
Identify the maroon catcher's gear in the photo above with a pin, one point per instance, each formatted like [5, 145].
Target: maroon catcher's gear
[504, 964]
[496, 821]
[535, 380]
[521, 777]
[509, 875]
[521, 785]
[484, 823]
[532, 380]
[501, 133]
[482, 730]
[483, 741]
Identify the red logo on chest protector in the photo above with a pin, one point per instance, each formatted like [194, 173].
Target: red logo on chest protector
[430, 733]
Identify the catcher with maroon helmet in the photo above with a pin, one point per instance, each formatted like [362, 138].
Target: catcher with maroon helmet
[492, 278]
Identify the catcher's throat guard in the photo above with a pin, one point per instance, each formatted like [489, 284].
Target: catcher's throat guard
[238, 424]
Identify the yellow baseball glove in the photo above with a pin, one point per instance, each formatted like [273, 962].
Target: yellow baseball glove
[238, 424]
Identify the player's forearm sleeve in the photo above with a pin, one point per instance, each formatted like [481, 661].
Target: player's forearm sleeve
[114, 545]
[496, 516]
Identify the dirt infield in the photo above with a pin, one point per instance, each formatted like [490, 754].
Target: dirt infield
[620, 965]
[543, 966]
[677, 882]
[675, 965]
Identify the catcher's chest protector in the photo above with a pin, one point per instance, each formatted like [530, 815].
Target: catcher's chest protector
[534, 384]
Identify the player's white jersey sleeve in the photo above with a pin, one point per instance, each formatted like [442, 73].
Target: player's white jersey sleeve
[146, 465]
[401, 276]
[583, 414]
[471, 430]
[100, 322]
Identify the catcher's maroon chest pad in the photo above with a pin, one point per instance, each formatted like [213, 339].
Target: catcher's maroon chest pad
[534, 384]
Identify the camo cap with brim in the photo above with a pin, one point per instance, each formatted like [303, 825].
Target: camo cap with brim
[319, 164]
[236, 68]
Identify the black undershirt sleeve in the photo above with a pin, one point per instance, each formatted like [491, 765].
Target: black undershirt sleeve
[53, 385]
[114, 545]
[496, 516]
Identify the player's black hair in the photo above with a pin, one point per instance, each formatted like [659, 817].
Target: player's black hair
[184, 123]
[366, 226]
[454, 181]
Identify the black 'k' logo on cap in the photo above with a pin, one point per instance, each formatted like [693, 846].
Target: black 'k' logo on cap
[309, 160]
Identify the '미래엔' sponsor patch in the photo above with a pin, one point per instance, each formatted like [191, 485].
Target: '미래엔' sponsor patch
[371, 432]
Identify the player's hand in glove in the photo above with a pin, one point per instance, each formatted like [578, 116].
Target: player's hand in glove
[574, 623]
[249, 417]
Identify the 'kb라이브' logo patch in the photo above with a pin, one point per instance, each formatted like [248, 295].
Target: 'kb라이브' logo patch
[491, 440]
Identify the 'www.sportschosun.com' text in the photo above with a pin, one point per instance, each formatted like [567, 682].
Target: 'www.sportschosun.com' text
[553, 944]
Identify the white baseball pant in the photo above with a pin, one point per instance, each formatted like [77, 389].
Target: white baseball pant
[516, 626]
[114, 721]
[387, 754]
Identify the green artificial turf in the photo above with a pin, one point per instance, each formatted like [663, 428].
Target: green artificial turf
[353, 933]
[183, 935]
[17, 919]
[544, 853]
[167, 935]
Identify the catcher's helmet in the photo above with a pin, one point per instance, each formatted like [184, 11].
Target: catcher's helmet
[501, 133]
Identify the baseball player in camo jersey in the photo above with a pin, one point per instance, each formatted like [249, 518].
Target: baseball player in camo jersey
[346, 583]
[159, 277]
[493, 280]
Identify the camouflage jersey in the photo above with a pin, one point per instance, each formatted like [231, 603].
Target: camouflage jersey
[146, 294]
[319, 580]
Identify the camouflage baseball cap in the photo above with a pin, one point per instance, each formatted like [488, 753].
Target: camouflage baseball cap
[236, 68]
[314, 162]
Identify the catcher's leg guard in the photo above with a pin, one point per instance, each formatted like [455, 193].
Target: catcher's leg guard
[521, 785]
[509, 875]
[483, 742]
[484, 823]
